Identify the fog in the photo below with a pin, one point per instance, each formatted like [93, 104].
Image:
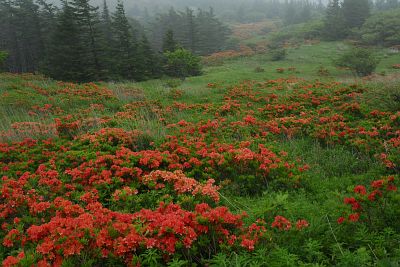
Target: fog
[221, 7]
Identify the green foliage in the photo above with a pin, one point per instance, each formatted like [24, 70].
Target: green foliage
[200, 32]
[298, 32]
[64, 58]
[3, 57]
[334, 24]
[182, 63]
[297, 12]
[355, 12]
[169, 43]
[277, 54]
[382, 96]
[361, 61]
[125, 54]
[382, 28]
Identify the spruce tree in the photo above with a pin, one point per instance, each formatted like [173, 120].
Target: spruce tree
[8, 35]
[125, 47]
[47, 13]
[212, 34]
[64, 58]
[92, 52]
[355, 12]
[20, 34]
[107, 41]
[149, 61]
[190, 31]
[169, 43]
[334, 24]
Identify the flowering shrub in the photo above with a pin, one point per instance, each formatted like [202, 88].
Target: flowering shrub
[371, 205]
[99, 193]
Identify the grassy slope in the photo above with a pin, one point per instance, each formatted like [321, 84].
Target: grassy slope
[334, 168]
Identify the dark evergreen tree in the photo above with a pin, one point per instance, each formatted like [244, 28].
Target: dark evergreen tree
[201, 33]
[92, 50]
[169, 43]
[65, 61]
[107, 41]
[149, 61]
[47, 13]
[212, 34]
[125, 47]
[190, 30]
[355, 12]
[8, 36]
[334, 24]
[106, 24]
[21, 36]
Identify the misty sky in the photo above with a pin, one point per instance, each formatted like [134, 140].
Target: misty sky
[160, 4]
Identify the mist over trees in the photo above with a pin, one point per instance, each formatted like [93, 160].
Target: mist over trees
[84, 40]
[81, 42]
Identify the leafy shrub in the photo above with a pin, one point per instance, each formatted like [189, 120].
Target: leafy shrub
[299, 32]
[182, 63]
[361, 61]
[278, 54]
[382, 28]
[382, 95]
[259, 69]
[375, 206]
[322, 71]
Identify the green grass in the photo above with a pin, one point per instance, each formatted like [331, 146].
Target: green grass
[335, 169]
[307, 59]
[18, 99]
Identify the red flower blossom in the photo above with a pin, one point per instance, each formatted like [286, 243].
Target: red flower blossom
[360, 189]
[354, 217]
[281, 223]
[378, 183]
[340, 220]
[301, 224]
[372, 196]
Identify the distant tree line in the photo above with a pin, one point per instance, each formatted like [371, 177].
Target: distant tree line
[79, 42]
[242, 11]
[200, 32]
[375, 23]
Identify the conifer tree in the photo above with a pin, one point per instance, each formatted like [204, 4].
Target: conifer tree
[106, 24]
[355, 12]
[20, 34]
[92, 52]
[47, 13]
[169, 43]
[107, 41]
[149, 61]
[125, 53]
[190, 31]
[8, 35]
[212, 34]
[65, 61]
[334, 24]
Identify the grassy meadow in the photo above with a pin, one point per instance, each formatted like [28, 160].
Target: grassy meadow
[95, 174]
